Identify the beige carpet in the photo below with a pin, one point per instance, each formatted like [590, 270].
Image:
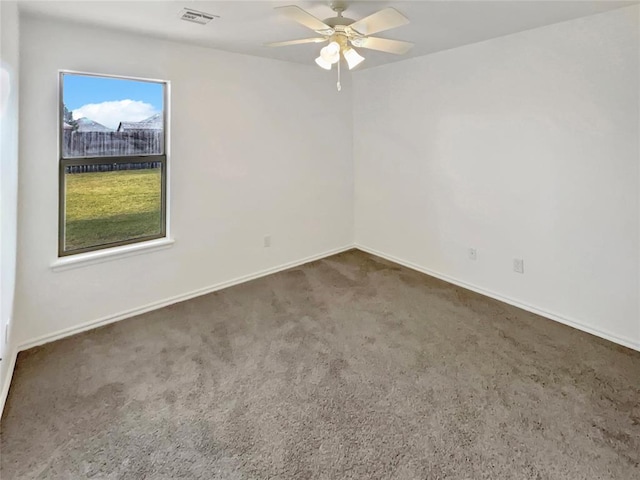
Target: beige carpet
[346, 368]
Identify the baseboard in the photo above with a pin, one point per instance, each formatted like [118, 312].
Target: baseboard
[11, 357]
[170, 301]
[626, 342]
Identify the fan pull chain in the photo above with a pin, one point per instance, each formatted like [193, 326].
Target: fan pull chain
[338, 85]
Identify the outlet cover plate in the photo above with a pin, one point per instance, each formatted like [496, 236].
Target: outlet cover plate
[518, 265]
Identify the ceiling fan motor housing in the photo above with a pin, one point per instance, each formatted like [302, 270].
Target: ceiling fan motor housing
[340, 38]
[338, 21]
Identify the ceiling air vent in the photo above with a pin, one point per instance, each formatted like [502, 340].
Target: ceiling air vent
[196, 16]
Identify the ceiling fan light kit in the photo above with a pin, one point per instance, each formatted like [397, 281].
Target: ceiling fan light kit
[352, 57]
[322, 63]
[344, 33]
[331, 53]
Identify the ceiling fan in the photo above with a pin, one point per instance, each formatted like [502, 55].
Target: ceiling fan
[343, 34]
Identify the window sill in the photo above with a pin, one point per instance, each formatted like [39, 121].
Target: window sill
[109, 254]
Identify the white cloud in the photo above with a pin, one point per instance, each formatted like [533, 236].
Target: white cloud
[110, 114]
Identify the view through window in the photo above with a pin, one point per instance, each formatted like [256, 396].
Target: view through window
[112, 161]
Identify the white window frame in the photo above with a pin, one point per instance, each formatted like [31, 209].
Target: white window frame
[99, 253]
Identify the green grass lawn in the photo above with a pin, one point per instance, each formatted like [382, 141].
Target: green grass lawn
[109, 207]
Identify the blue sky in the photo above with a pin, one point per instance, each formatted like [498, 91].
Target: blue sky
[110, 101]
[81, 90]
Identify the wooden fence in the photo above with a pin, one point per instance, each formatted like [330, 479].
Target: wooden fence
[110, 167]
[97, 144]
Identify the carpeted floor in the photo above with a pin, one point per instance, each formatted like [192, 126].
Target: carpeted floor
[346, 368]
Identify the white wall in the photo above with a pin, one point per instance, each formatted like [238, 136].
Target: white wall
[9, 56]
[523, 146]
[257, 147]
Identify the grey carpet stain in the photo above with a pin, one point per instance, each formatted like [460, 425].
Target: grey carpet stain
[350, 367]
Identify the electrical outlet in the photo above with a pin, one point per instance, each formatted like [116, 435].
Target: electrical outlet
[267, 241]
[473, 254]
[518, 265]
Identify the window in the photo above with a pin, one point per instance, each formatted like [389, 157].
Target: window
[113, 163]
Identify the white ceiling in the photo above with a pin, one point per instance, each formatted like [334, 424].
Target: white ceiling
[244, 26]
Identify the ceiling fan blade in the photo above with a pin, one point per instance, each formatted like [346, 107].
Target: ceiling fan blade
[299, 15]
[384, 45]
[296, 42]
[385, 19]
